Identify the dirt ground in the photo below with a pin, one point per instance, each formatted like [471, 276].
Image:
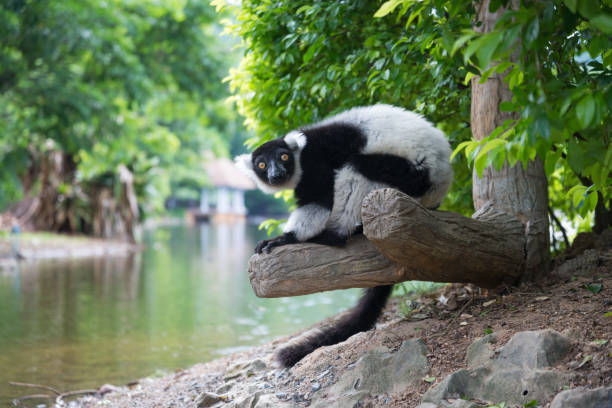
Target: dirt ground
[565, 305]
[576, 300]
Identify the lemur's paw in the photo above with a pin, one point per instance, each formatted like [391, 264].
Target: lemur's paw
[263, 245]
[267, 244]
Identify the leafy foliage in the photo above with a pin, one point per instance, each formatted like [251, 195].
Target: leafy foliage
[306, 60]
[112, 83]
[557, 60]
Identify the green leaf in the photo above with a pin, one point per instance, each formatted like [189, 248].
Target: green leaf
[503, 66]
[585, 111]
[479, 164]
[603, 22]
[387, 7]
[531, 404]
[487, 47]
[589, 8]
[532, 31]
[462, 40]
[542, 126]
[571, 4]
[310, 52]
[506, 106]
[460, 147]
[576, 194]
[468, 78]
[472, 48]
[485, 75]
[594, 288]
[429, 379]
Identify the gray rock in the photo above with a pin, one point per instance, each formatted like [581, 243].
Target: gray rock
[225, 388]
[255, 367]
[517, 374]
[534, 349]
[597, 398]
[481, 351]
[234, 371]
[270, 401]
[249, 401]
[457, 403]
[378, 371]
[463, 382]
[208, 399]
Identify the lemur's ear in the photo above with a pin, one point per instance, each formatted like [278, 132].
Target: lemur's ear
[295, 140]
[245, 165]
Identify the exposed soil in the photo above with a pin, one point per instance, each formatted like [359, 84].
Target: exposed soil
[576, 302]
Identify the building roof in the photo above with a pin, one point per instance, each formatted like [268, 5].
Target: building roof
[224, 173]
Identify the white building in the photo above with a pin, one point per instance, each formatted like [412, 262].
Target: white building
[226, 193]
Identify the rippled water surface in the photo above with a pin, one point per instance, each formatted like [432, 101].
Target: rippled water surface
[81, 323]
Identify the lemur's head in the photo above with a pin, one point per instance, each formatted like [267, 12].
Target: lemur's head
[275, 165]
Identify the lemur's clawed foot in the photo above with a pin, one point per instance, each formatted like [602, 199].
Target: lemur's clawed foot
[267, 244]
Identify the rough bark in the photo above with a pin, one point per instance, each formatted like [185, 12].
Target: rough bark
[301, 269]
[445, 247]
[418, 244]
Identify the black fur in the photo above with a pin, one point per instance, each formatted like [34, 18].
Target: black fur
[276, 171]
[360, 318]
[394, 171]
[329, 237]
[267, 244]
[327, 149]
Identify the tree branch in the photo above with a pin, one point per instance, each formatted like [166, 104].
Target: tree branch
[405, 241]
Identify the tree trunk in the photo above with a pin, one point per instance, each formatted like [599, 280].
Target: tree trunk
[513, 190]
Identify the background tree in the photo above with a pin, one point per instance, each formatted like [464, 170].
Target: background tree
[89, 88]
[304, 61]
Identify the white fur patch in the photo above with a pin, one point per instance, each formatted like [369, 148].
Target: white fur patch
[307, 221]
[393, 130]
[296, 140]
[350, 188]
[245, 165]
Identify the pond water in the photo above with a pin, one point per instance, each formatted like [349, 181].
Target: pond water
[81, 323]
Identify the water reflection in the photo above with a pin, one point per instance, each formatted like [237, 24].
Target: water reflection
[81, 323]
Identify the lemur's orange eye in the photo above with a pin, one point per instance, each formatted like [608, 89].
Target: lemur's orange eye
[285, 157]
[261, 165]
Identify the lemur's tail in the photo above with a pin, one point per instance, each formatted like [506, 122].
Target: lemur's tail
[360, 318]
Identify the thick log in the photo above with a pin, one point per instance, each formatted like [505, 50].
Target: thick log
[301, 269]
[418, 244]
[487, 250]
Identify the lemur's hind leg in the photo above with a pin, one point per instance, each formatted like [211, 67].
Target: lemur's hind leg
[350, 188]
[329, 237]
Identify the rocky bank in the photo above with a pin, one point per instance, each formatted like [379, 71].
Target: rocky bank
[543, 345]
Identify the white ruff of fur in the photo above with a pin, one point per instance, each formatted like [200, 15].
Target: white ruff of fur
[296, 140]
[307, 221]
[393, 130]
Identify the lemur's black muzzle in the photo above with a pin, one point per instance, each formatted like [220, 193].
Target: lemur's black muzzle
[276, 174]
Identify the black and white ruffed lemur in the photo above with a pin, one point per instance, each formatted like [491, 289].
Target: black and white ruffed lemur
[332, 165]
